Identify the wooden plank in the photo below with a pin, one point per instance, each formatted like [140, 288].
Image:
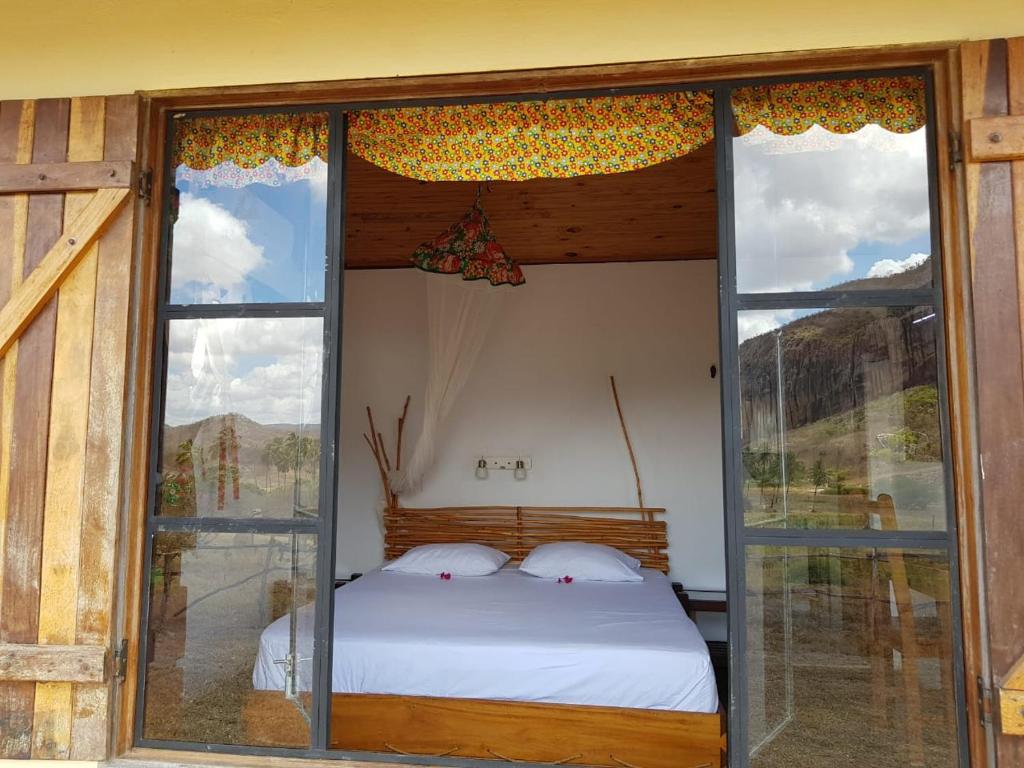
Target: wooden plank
[102, 471]
[42, 284]
[1000, 364]
[550, 80]
[1015, 102]
[1011, 700]
[65, 177]
[517, 530]
[54, 663]
[19, 611]
[17, 123]
[1011, 712]
[960, 364]
[547, 733]
[143, 329]
[62, 518]
[996, 138]
[542, 221]
[1011, 693]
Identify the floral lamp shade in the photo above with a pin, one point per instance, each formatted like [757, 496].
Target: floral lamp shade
[469, 248]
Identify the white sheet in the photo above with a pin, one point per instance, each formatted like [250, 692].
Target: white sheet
[508, 636]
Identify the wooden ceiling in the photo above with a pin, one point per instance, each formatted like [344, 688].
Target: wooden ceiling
[665, 212]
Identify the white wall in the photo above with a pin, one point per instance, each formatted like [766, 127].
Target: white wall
[541, 389]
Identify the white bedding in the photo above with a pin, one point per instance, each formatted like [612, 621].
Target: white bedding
[507, 636]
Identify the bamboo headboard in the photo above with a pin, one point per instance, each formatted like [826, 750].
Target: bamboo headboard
[517, 530]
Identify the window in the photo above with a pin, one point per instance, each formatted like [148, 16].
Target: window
[237, 518]
[843, 609]
[839, 494]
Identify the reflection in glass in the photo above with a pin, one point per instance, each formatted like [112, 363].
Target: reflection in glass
[849, 657]
[825, 210]
[244, 234]
[211, 597]
[241, 434]
[839, 407]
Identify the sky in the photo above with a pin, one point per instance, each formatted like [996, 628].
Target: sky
[812, 211]
[817, 210]
[255, 243]
[268, 369]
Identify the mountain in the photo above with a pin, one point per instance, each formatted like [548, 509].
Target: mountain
[252, 436]
[917, 277]
[834, 362]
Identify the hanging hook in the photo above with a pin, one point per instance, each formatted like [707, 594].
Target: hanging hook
[480, 186]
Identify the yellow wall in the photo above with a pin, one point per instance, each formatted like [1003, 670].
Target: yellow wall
[80, 47]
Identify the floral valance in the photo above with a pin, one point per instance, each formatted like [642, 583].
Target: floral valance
[516, 141]
[839, 106]
[236, 150]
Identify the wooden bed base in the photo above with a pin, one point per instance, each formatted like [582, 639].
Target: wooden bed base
[565, 734]
[611, 737]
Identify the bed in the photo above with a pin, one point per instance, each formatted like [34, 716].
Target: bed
[509, 636]
[510, 666]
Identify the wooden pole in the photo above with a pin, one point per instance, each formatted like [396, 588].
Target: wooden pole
[629, 445]
[401, 429]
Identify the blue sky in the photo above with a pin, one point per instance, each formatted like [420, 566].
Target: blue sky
[256, 243]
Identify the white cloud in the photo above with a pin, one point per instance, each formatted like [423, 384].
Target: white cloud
[317, 181]
[751, 323]
[804, 202]
[267, 369]
[890, 267]
[212, 249]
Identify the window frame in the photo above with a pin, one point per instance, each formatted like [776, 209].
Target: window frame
[739, 535]
[323, 526]
[601, 80]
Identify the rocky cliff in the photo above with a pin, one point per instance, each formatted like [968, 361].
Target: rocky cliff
[833, 362]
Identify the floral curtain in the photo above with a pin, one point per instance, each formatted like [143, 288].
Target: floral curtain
[236, 150]
[839, 106]
[516, 141]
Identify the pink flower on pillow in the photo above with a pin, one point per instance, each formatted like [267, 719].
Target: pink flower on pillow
[445, 576]
[565, 580]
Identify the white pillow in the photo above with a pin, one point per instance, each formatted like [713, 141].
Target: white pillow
[582, 561]
[456, 559]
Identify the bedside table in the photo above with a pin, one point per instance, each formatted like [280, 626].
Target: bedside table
[699, 600]
[706, 601]
[342, 582]
[696, 601]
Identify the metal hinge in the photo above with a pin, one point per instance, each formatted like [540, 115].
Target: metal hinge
[984, 701]
[121, 660]
[955, 150]
[145, 185]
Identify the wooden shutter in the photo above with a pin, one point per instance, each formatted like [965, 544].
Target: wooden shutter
[66, 230]
[993, 111]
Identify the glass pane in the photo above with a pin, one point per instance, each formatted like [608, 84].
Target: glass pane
[849, 658]
[828, 210]
[249, 210]
[226, 663]
[241, 434]
[839, 413]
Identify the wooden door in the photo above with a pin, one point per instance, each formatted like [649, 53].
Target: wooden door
[993, 131]
[66, 231]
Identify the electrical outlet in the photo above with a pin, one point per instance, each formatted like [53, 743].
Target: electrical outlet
[507, 462]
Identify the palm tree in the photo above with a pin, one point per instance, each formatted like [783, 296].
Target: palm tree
[820, 477]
